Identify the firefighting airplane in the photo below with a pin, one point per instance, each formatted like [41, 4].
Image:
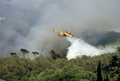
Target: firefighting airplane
[68, 33]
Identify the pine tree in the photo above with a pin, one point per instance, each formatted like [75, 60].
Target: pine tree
[13, 54]
[99, 75]
[35, 53]
[24, 51]
[53, 54]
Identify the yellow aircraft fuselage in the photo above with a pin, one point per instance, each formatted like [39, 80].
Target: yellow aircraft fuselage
[64, 34]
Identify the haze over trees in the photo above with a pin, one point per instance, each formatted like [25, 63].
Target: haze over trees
[96, 38]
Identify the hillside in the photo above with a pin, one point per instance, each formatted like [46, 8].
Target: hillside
[96, 37]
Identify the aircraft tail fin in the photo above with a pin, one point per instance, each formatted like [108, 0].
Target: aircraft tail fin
[55, 30]
[69, 31]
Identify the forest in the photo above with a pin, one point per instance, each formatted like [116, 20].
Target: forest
[104, 67]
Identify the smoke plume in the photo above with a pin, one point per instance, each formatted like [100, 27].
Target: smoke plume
[30, 23]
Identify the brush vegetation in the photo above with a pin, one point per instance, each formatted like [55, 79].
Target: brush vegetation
[61, 69]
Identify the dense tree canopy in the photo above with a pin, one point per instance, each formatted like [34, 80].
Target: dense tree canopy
[46, 68]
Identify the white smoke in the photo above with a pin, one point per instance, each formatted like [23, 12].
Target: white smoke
[30, 26]
[78, 48]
